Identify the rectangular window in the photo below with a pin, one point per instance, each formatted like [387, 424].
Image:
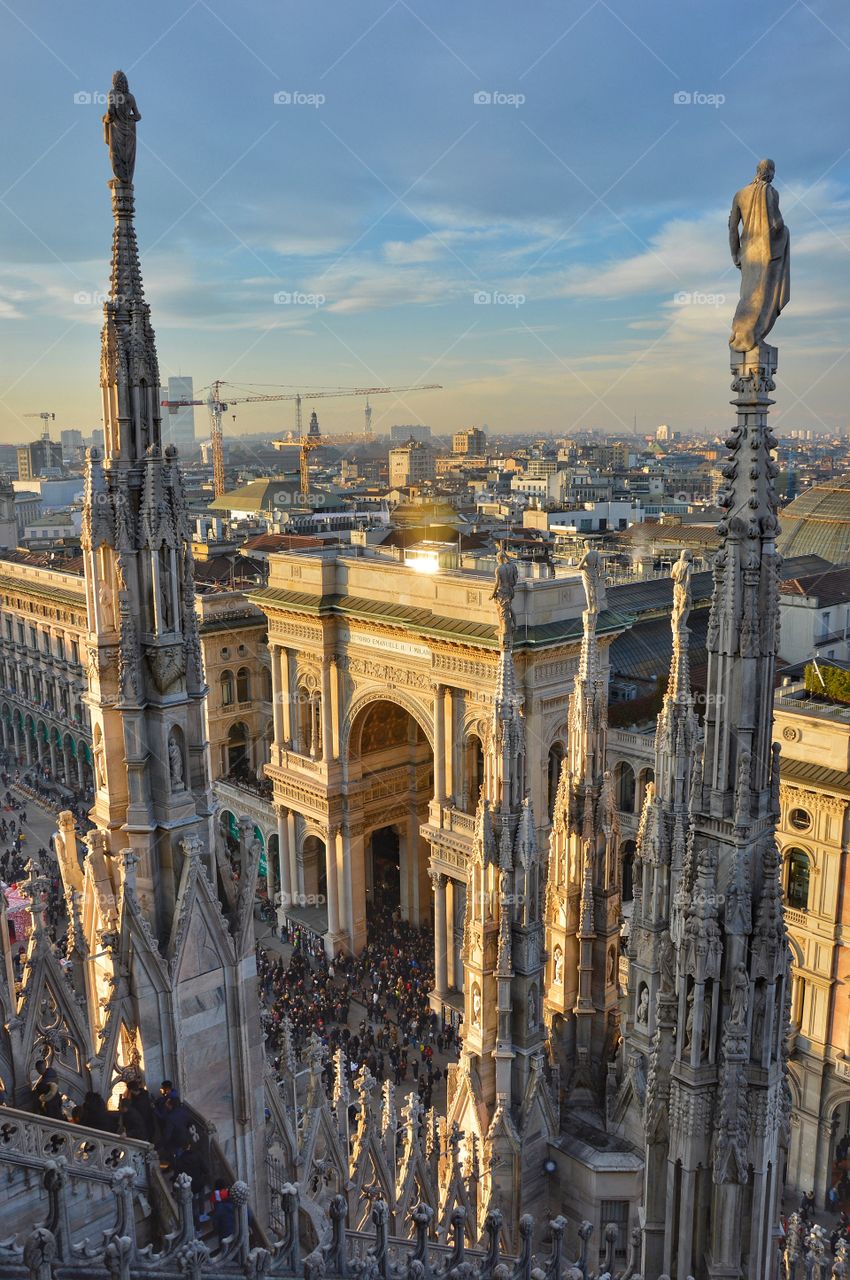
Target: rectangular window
[617, 1212]
[60, 648]
[75, 652]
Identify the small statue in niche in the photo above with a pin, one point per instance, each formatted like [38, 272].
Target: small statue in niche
[175, 764]
[642, 1015]
[559, 966]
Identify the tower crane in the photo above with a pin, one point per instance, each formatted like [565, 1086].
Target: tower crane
[217, 407]
[46, 416]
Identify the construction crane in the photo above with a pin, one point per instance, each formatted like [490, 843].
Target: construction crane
[217, 407]
[46, 416]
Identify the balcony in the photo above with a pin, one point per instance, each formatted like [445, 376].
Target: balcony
[797, 919]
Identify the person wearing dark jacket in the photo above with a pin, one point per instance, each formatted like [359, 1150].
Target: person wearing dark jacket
[175, 1128]
[140, 1100]
[96, 1115]
[132, 1124]
[46, 1095]
[222, 1212]
[191, 1162]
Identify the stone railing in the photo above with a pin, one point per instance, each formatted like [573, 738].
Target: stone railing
[797, 919]
[457, 820]
[35, 1142]
[640, 743]
[48, 1253]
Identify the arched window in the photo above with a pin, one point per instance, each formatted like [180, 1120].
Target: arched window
[556, 760]
[624, 778]
[628, 852]
[266, 684]
[243, 685]
[799, 868]
[226, 688]
[238, 759]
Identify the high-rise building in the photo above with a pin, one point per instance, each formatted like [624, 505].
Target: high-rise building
[472, 442]
[412, 463]
[400, 433]
[178, 426]
[72, 442]
[38, 457]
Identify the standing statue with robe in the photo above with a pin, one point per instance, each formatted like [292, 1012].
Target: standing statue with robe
[759, 241]
[119, 129]
[503, 593]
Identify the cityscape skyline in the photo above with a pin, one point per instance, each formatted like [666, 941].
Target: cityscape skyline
[611, 277]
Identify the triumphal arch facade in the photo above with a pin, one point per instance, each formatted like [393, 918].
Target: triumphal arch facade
[384, 678]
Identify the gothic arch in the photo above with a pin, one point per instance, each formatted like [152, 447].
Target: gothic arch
[404, 700]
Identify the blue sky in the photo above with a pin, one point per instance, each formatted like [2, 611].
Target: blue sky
[585, 200]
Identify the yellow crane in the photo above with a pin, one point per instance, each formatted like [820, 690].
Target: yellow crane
[217, 407]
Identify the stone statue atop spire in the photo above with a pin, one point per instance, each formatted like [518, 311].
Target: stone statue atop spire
[119, 129]
[590, 568]
[504, 590]
[708, 942]
[759, 241]
[682, 600]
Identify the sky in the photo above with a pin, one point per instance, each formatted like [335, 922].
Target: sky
[526, 204]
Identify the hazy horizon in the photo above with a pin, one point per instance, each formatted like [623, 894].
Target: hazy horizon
[555, 255]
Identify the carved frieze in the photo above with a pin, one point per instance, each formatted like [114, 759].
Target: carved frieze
[167, 665]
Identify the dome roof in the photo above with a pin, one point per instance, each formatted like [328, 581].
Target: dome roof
[818, 522]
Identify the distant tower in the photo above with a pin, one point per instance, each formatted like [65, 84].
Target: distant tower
[368, 415]
[8, 522]
[179, 427]
[313, 429]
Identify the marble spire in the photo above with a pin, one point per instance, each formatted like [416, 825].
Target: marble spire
[148, 898]
[583, 890]
[499, 1094]
[717, 1101]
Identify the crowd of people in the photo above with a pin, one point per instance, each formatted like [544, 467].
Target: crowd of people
[398, 1034]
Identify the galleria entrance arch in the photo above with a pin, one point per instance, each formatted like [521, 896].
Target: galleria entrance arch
[400, 669]
[390, 783]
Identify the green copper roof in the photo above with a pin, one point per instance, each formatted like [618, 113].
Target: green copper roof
[424, 622]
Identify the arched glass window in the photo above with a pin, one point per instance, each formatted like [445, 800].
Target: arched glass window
[628, 852]
[799, 868]
[625, 787]
[227, 688]
[556, 760]
[243, 685]
[266, 684]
